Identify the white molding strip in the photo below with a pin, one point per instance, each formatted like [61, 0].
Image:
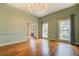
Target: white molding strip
[12, 43]
[12, 33]
[76, 43]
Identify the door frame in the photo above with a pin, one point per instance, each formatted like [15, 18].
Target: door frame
[29, 28]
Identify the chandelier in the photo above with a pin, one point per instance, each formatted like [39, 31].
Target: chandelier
[38, 8]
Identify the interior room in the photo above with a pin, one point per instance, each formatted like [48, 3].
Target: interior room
[39, 29]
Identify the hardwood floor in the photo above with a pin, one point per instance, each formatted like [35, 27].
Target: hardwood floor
[40, 47]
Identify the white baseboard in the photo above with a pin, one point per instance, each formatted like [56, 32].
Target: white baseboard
[76, 43]
[5, 44]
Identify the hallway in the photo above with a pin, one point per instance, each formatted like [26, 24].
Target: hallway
[40, 47]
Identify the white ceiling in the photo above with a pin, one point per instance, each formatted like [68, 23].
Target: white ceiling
[52, 7]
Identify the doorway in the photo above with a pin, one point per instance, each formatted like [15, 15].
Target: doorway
[32, 30]
[64, 30]
[44, 30]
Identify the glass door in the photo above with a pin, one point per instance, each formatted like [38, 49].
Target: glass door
[64, 30]
[45, 30]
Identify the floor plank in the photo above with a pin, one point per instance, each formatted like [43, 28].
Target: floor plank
[40, 47]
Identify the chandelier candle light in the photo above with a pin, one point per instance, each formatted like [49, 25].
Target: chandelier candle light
[38, 8]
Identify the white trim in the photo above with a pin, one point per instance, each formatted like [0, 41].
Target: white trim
[76, 43]
[5, 44]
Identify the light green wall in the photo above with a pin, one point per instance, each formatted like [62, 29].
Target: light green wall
[53, 19]
[77, 28]
[13, 24]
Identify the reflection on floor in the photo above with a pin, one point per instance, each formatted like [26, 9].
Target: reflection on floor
[40, 47]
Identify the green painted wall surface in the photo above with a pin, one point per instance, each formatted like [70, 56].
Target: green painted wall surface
[53, 19]
[13, 24]
[77, 28]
